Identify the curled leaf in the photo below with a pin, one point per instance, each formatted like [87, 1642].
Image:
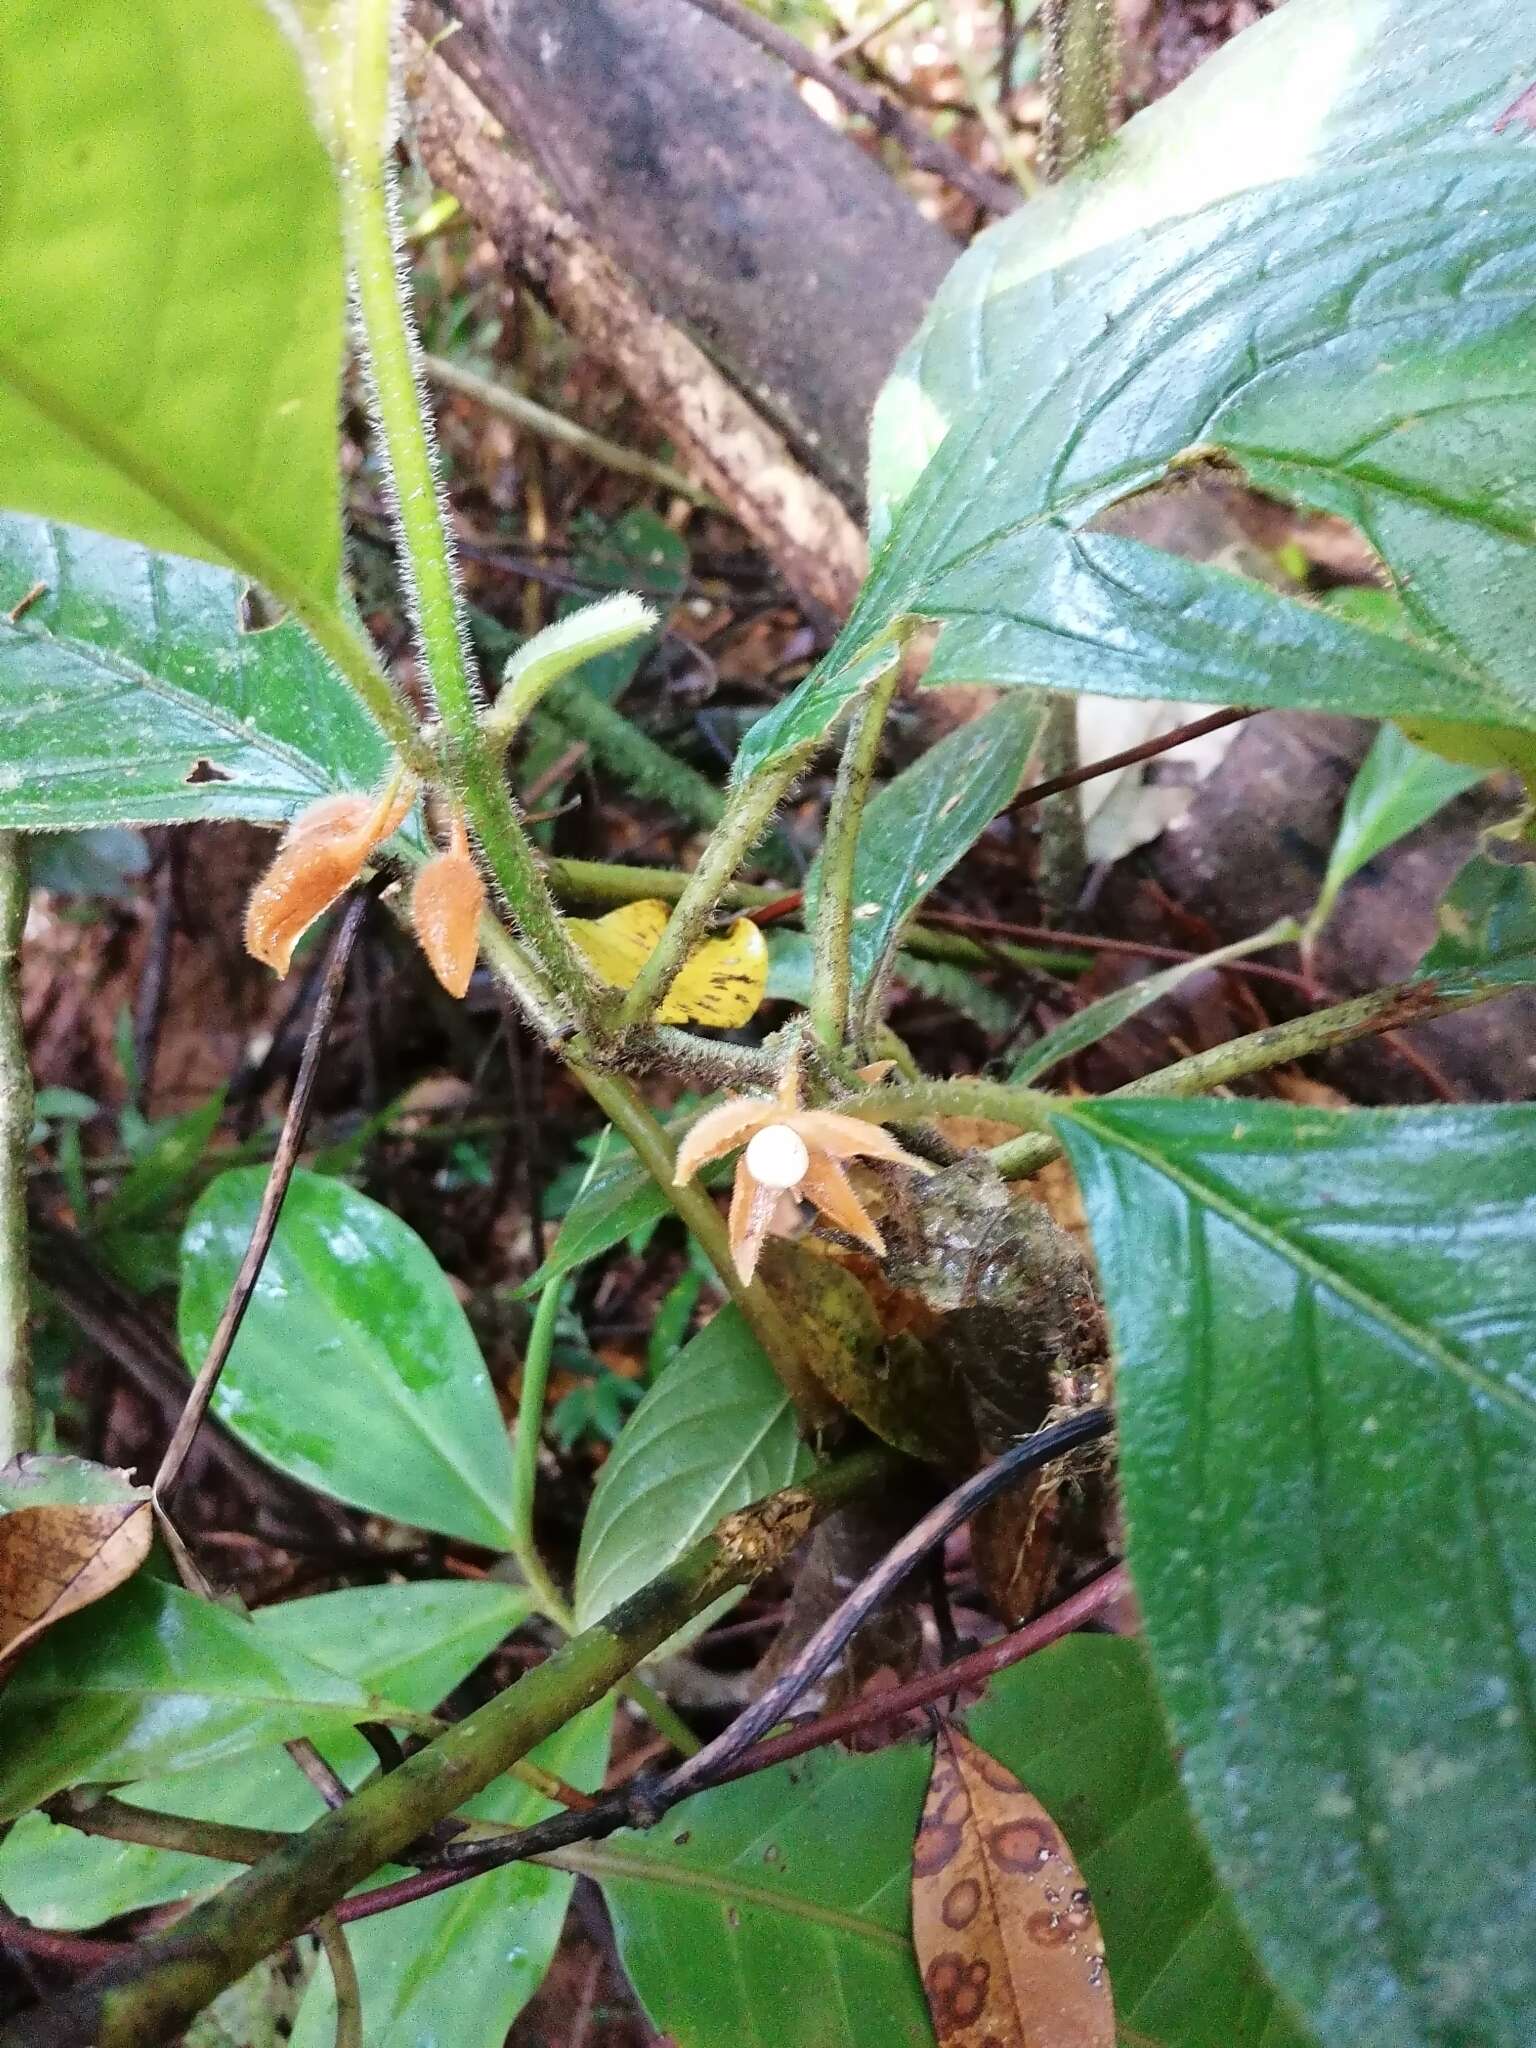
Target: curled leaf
[1006, 1938]
[79, 1532]
[446, 904]
[721, 983]
[321, 856]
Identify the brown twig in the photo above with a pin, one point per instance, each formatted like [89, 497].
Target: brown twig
[283, 1162]
[997, 195]
[969, 1670]
[1130, 756]
[74, 1951]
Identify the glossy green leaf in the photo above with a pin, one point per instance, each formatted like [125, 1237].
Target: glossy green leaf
[170, 371]
[1487, 919]
[152, 1679]
[355, 1369]
[715, 1432]
[412, 1643]
[1353, 332]
[454, 1971]
[1397, 788]
[129, 691]
[1324, 1325]
[1094, 1021]
[925, 820]
[787, 1894]
[1335, 80]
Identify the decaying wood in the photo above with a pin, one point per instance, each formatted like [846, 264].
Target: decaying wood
[718, 436]
[770, 236]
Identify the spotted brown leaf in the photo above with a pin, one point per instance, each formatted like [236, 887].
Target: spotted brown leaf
[1006, 1938]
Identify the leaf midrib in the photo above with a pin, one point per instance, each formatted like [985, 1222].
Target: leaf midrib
[609, 1862]
[1415, 1336]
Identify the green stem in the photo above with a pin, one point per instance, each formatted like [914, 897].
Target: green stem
[597, 883]
[525, 1455]
[1063, 844]
[1080, 66]
[151, 1994]
[370, 216]
[17, 1421]
[743, 823]
[1386, 1009]
[831, 976]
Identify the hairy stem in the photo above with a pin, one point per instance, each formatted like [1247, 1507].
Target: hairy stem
[16, 1412]
[831, 975]
[370, 219]
[152, 1992]
[1385, 1009]
[744, 822]
[1080, 65]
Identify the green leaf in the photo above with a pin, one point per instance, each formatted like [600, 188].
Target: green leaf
[1324, 1324]
[413, 1643]
[1354, 335]
[788, 1893]
[1094, 1021]
[152, 1679]
[355, 1369]
[455, 1970]
[1331, 83]
[715, 1432]
[1397, 788]
[171, 370]
[925, 820]
[1487, 920]
[129, 692]
[163, 1169]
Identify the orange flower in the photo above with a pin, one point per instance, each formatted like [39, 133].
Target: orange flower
[791, 1152]
[445, 911]
[321, 856]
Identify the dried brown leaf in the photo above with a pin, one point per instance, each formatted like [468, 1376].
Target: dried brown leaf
[1006, 1939]
[55, 1560]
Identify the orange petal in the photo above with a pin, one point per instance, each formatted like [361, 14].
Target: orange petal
[849, 1137]
[721, 1130]
[445, 910]
[303, 881]
[827, 1186]
[752, 1213]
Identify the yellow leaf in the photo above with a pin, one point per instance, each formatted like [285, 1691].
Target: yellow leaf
[721, 983]
[1006, 1939]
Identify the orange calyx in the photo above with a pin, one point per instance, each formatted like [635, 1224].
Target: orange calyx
[321, 856]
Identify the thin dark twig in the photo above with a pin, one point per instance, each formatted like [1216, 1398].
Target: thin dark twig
[925, 150]
[829, 1640]
[149, 1002]
[1130, 756]
[642, 1803]
[966, 1671]
[283, 1162]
